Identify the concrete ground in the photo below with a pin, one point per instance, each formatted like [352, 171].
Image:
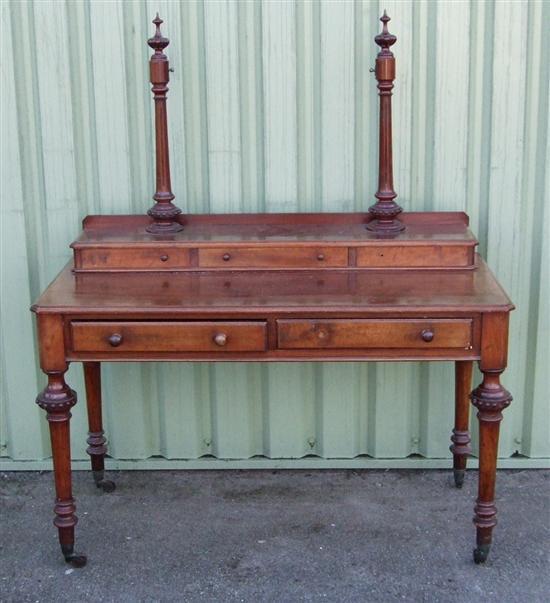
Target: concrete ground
[277, 536]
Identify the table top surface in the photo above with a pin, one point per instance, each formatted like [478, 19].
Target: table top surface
[247, 293]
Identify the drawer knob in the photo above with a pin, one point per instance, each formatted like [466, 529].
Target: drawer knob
[320, 256]
[220, 339]
[427, 335]
[163, 258]
[115, 339]
[226, 257]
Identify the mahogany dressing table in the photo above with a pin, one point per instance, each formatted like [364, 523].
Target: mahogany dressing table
[274, 287]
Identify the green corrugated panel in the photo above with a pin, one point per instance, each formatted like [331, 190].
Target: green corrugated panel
[272, 108]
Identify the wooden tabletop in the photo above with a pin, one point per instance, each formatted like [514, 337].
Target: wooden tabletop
[360, 291]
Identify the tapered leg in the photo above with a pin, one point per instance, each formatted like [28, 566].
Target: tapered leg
[490, 398]
[57, 400]
[97, 444]
[460, 437]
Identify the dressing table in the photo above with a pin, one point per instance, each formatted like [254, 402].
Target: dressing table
[380, 285]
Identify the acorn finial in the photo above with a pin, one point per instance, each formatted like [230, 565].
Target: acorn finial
[385, 39]
[158, 42]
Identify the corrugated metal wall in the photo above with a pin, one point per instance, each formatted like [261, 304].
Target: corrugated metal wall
[272, 107]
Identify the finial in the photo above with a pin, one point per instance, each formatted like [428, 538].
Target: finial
[385, 39]
[158, 42]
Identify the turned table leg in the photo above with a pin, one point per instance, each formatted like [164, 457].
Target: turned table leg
[57, 399]
[97, 444]
[490, 398]
[460, 437]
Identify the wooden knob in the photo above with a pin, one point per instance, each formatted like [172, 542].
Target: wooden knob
[427, 335]
[320, 256]
[226, 257]
[220, 339]
[163, 258]
[115, 339]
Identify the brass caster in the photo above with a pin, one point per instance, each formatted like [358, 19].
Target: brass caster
[481, 552]
[72, 558]
[459, 477]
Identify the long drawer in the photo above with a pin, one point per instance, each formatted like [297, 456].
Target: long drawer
[374, 333]
[193, 336]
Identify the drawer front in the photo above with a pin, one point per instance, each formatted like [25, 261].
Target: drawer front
[368, 333]
[168, 336]
[273, 257]
[137, 258]
[409, 256]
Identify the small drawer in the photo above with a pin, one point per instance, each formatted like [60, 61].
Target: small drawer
[414, 256]
[168, 336]
[273, 257]
[136, 258]
[374, 333]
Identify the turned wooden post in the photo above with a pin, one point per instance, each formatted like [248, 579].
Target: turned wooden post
[490, 399]
[57, 399]
[385, 211]
[460, 437]
[164, 212]
[97, 443]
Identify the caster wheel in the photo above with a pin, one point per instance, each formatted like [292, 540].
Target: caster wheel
[106, 485]
[481, 553]
[73, 558]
